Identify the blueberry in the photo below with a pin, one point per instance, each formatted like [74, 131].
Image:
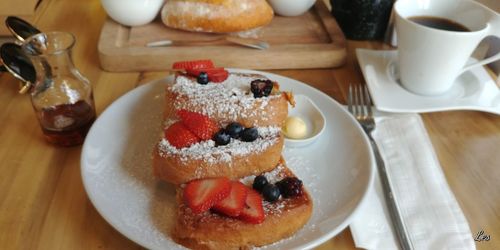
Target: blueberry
[249, 134]
[222, 138]
[234, 129]
[271, 192]
[259, 183]
[261, 88]
[290, 187]
[202, 78]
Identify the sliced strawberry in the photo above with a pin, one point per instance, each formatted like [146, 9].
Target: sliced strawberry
[214, 74]
[196, 72]
[200, 195]
[253, 212]
[218, 76]
[196, 64]
[233, 204]
[201, 125]
[179, 136]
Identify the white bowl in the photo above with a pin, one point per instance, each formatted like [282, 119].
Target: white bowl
[132, 12]
[291, 7]
[312, 116]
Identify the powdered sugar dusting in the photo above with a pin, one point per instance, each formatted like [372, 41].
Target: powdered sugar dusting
[231, 98]
[272, 176]
[275, 208]
[188, 11]
[212, 154]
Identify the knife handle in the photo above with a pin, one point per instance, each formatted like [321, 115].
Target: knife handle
[390, 202]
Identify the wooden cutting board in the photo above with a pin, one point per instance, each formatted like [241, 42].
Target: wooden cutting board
[313, 40]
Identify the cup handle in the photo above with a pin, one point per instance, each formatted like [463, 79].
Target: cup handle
[494, 31]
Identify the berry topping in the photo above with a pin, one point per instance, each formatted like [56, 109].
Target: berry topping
[252, 212]
[196, 64]
[261, 88]
[290, 187]
[222, 138]
[218, 76]
[271, 192]
[214, 74]
[199, 124]
[202, 194]
[234, 129]
[179, 135]
[196, 72]
[202, 78]
[233, 204]
[259, 182]
[249, 134]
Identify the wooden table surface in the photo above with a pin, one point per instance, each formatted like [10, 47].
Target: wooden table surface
[43, 204]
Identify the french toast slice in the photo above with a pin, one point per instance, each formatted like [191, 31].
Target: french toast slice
[205, 159]
[227, 101]
[209, 230]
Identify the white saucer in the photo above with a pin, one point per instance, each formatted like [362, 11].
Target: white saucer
[473, 90]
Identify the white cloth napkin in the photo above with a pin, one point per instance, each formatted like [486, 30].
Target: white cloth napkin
[429, 209]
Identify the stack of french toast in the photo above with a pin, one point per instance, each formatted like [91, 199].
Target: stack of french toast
[221, 146]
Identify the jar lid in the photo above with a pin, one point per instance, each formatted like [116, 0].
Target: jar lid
[20, 28]
[18, 64]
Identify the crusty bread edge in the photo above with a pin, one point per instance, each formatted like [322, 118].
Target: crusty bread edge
[233, 22]
[275, 115]
[172, 169]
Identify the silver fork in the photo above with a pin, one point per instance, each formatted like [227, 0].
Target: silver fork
[360, 106]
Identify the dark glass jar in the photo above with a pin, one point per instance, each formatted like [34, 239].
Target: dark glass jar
[362, 19]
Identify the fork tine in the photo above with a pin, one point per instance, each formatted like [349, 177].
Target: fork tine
[356, 101]
[349, 100]
[361, 101]
[368, 102]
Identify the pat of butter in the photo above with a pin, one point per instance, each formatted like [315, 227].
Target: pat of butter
[294, 128]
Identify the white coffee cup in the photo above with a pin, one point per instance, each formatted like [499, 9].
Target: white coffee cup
[132, 12]
[430, 59]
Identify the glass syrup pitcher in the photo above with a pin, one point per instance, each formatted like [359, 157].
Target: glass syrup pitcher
[61, 96]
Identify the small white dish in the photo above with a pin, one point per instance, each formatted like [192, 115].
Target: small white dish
[132, 12]
[473, 90]
[312, 116]
[291, 8]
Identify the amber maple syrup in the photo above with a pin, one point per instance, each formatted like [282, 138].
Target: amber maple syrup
[67, 124]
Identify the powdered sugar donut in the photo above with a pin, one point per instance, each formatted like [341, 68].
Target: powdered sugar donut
[218, 16]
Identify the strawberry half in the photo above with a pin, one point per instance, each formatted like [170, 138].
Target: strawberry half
[218, 76]
[252, 212]
[196, 64]
[233, 204]
[214, 74]
[196, 72]
[179, 135]
[200, 195]
[201, 125]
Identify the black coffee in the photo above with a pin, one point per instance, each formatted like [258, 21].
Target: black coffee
[439, 23]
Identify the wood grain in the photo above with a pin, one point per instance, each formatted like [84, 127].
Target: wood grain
[312, 40]
[43, 204]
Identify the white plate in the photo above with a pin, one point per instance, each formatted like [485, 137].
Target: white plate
[117, 174]
[473, 90]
